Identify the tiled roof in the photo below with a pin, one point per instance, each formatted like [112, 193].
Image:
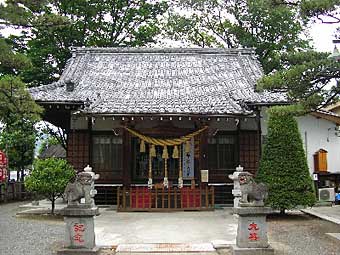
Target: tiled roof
[53, 151]
[148, 80]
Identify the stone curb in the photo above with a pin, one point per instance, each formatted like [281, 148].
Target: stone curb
[38, 212]
[321, 216]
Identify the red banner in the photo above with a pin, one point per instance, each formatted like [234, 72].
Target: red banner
[3, 167]
[3, 159]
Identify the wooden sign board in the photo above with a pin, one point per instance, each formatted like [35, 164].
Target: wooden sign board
[204, 175]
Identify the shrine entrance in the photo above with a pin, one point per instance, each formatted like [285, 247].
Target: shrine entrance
[163, 175]
[163, 165]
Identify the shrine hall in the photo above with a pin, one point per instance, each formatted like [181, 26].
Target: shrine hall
[163, 127]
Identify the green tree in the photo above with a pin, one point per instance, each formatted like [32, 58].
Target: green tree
[11, 62]
[266, 25]
[308, 75]
[18, 141]
[18, 114]
[51, 28]
[283, 166]
[49, 178]
[307, 81]
[326, 11]
[16, 102]
[275, 29]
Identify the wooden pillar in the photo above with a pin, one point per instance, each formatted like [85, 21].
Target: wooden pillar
[90, 140]
[126, 158]
[238, 137]
[203, 160]
[259, 131]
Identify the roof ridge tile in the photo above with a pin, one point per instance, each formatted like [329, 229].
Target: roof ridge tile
[148, 50]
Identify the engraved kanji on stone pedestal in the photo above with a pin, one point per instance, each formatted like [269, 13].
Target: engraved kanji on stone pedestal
[79, 214]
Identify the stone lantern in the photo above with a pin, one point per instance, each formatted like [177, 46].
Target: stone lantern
[236, 190]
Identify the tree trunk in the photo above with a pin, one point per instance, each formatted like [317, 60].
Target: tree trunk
[22, 175]
[53, 204]
[282, 211]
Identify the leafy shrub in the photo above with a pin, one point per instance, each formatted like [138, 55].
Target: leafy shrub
[49, 178]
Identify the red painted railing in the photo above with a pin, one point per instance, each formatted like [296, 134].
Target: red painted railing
[162, 199]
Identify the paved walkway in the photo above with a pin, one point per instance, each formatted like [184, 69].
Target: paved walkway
[296, 233]
[208, 228]
[218, 227]
[329, 213]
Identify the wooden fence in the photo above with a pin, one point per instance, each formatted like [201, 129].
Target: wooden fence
[13, 191]
[106, 194]
[171, 199]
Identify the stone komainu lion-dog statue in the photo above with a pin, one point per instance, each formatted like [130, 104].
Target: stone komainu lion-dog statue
[252, 193]
[76, 190]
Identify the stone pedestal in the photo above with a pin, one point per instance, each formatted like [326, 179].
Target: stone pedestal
[79, 214]
[79, 235]
[252, 230]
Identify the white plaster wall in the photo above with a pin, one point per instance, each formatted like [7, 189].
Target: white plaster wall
[316, 133]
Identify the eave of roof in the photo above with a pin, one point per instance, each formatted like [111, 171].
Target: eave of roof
[333, 106]
[327, 115]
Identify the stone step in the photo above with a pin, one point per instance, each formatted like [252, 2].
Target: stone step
[161, 248]
[172, 253]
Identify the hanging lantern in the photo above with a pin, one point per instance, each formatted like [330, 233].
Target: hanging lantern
[142, 146]
[153, 151]
[165, 154]
[187, 147]
[175, 153]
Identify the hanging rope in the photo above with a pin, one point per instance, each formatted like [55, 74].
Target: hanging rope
[165, 142]
[180, 163]
[150, 172]
[187, 146]
[175, 152]
[150, 166]
[153, 151]
[180, 173]
[142, 146]
[165, 155]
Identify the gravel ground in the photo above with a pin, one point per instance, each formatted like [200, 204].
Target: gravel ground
[299, 234]
[28, 236]
[296, 234]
